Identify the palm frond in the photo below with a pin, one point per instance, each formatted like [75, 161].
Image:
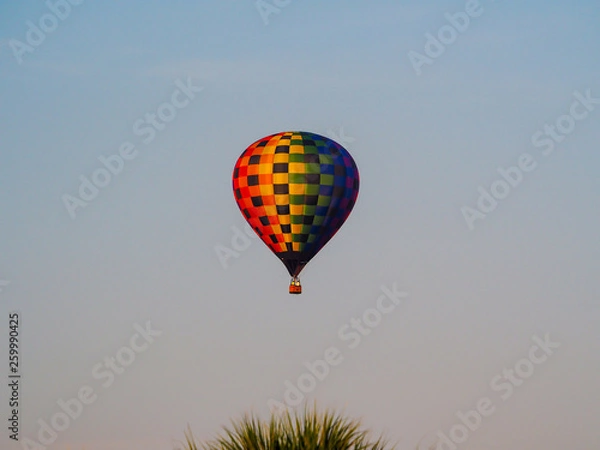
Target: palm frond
[304, 430]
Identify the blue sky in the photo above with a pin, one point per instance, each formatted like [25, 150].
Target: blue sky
[144, 248]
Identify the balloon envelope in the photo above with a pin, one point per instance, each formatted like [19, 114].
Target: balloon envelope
[295, 189]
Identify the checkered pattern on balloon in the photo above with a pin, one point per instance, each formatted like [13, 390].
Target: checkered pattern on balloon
[295, 189]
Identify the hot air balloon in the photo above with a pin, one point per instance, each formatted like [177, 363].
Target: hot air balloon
[295, 189]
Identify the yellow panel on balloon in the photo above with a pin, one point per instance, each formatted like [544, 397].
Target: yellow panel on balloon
[297, 189]
[296, 210]
[265, 169]
[280, 178]
[296, 167]
[270, 210]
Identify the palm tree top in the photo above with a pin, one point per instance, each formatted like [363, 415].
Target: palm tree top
[302, 430]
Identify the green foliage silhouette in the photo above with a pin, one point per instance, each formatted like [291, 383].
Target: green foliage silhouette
[305, 430]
